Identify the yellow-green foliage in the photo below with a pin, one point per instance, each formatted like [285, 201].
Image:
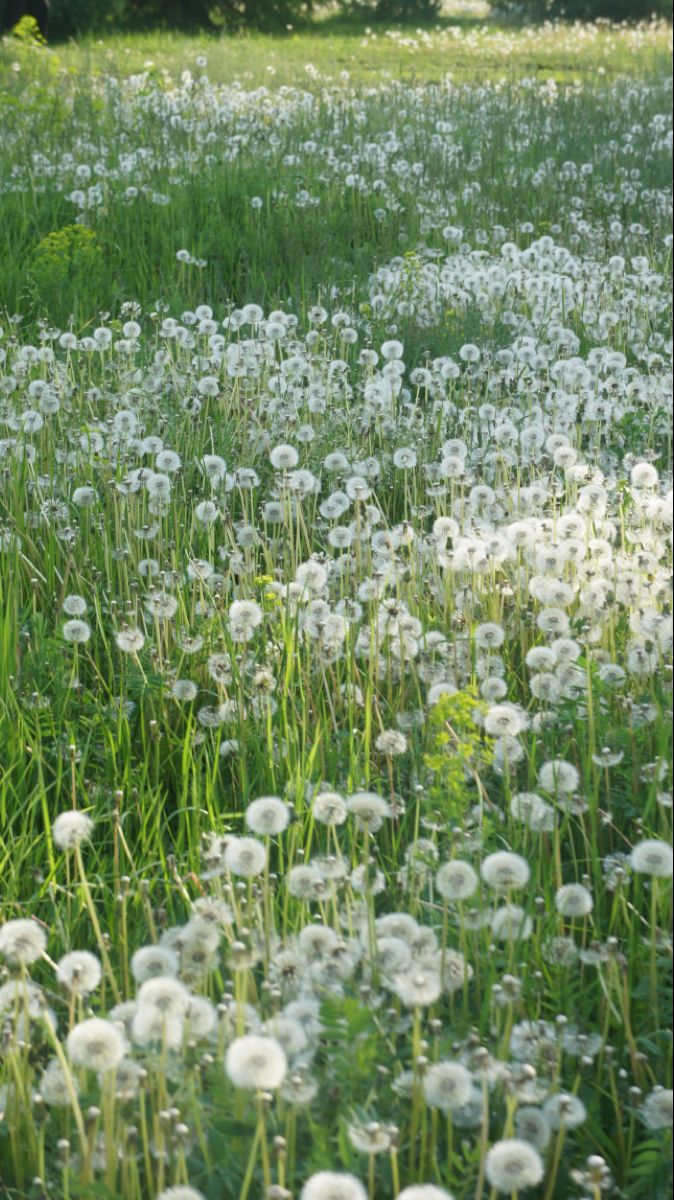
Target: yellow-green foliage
[27, 30]
[67, 256]
[459, 753]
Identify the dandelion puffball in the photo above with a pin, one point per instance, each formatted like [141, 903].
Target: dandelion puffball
[333, 1185]
[96, 1044]
[256, 1063]
[22, 941]
[513, 1165]
[653, 857]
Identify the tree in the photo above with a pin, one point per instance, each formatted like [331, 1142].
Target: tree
[394, 10]
[587, 10]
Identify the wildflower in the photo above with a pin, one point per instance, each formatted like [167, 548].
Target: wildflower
[71, 829]
[423, 1191]
[244, 618]
[77, 632]
[417, 989]
[505, 720]
[456, 880]
[167, 995]
[151, 1025]
[331, 1185]
[284, 458]
[96, 1044]
[653, 857]
[370, 1139]
[369, 809]
[22, 941]
[182, 1192]
[149, 962]
[447, 1086]
[305, 882]
[656, 1111]
[405, 458]
[532, 1125]
[79, 971]
[573, 900]
[503, 871]
[54, 1088]
[267, 816]
[558, 777]
[131, 641]
[74, 606]
[245, 856]
[513, 1165]
[184, 690]
[256, 1063]
[564, 1109]
[391, 743]
[511, 923]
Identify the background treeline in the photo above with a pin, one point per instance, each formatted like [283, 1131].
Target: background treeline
[69, 18]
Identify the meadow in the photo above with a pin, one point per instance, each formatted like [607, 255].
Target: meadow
[336, 615]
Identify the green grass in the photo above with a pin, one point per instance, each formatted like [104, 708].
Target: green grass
[464, 49]
[387, 198]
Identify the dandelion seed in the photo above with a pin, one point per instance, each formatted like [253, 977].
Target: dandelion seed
[256, 1063]
[77, 632]
[22, 942]
[653, 857]
[456, 880]
[447, 1086]
[503, 871]
[80, 972]
[573, 900]
[330, 1185]
[423, 1191]
[131, 641]
[267, 816]
[564, 1110]
[656, 1111]
[513, 1165]
[96, 1044]
[245, 857]
[55, 1089]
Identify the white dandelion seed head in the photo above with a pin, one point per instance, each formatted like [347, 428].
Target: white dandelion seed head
[513, 1165]
[267, 816]
[447, 1086]
[333, 1185]
[96, 1045]
[72, 829]
[76, 631]
[54, 1086]
[511, 923]
[369, 809]
[656, 1111]
[573, 900]
[423, 1191]
[245, 857]
[181, 1192]
[151, 962]
[456, 880]
[653, 857]
[79, 971]
[504, 871]
[532, 1125]
[166, 994]
[566, 1110]
[22, 941]
[256, 1063]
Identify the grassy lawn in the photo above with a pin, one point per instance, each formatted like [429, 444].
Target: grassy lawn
[335, 615]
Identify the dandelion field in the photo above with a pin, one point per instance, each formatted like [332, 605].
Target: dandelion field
[336, 616]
